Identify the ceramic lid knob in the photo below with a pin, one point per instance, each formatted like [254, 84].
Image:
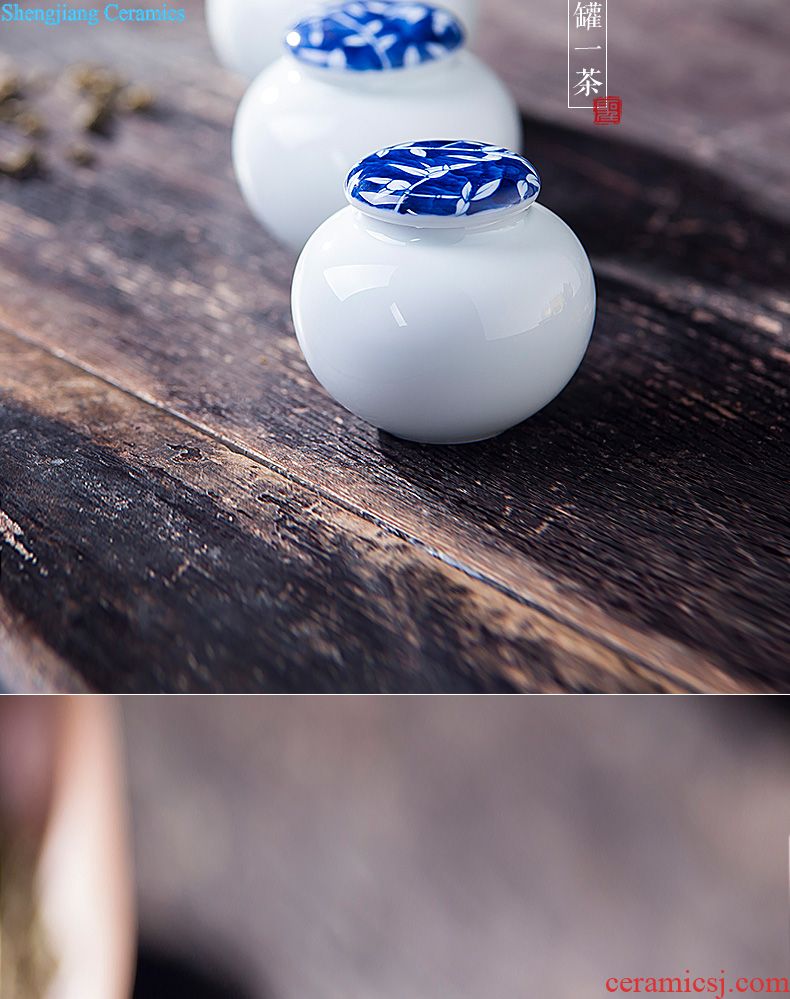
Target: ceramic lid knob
[368, 36]
[442, 183]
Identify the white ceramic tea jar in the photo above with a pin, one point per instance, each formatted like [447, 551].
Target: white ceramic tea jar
[247, 35]
[442, 305]
[365, 75]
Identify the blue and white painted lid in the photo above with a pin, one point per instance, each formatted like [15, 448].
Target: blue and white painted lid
[441, 183]
[365, 36]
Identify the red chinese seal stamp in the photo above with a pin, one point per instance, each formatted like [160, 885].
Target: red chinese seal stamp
[607, 110]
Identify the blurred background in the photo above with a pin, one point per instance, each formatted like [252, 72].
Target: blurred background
[391, 847]
[704, 82]
[456, 847]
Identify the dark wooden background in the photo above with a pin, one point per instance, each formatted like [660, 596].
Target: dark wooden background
[184, 509]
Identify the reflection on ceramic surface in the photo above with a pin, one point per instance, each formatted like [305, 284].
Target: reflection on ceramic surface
[247, 35]
[300, 129]
[444, 335]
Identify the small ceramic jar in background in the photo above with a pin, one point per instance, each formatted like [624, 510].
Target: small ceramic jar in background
[365, 75]
[443, 305]
[247, 35]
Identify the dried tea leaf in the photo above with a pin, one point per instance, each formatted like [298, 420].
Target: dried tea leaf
[30, 123]
[137, 98]
[11, 109]
[9, 85]
[96, 81]
[96, 116]
[19, 160]
[105, 95]
[81, 154]
[22, 115]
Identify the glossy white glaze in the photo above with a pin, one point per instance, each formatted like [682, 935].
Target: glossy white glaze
[444, 335]
[299, 131]
[247, 35]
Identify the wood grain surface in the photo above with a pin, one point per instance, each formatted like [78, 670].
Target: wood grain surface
[633, 536]
[223, 574]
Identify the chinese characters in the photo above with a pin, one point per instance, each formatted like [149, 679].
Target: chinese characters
[588, 15]
[589, 83]
[607, 110]
[587, 55]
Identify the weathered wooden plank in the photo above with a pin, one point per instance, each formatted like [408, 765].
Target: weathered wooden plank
[644, 507]
[153, 558]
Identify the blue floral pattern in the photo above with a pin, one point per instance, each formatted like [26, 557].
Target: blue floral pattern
[442, 180]
[375, 35]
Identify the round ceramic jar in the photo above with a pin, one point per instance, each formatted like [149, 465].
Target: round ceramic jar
[247, 35]
[442, 305]
[353, 80]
